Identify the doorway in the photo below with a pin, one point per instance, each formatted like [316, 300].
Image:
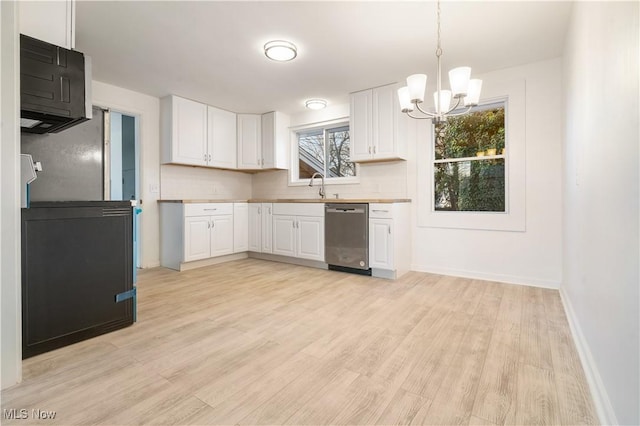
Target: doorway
[124, 165]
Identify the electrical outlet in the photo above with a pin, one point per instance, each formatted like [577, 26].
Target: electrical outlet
[154, 188]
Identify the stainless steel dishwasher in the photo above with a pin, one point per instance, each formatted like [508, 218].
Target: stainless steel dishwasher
[346, 237]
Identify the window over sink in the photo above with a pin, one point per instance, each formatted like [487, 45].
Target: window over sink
[323, 148]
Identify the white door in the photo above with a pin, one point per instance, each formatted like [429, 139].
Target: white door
[221, 235]
[310, 237]
[197, 234]
[360, 125]
[249, 141]
[381, 243]
[255, 227]
[385, 121]
[267, 228]
[284, 231]
[222, 138]
[190, 132]
[240, 227]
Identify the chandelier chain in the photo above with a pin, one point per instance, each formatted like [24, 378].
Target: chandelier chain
[439, 48]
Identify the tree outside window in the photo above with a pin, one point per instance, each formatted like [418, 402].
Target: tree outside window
[469, 161]
[325, 150]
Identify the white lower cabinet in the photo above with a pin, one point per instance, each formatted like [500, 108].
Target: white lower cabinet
[389, 239]
[381, 243]
[298, 230]
[198, 231]
[261, 227]
[240, 227]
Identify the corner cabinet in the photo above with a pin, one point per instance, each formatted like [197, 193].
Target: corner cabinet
[263, 141]
[389, 239]
[377, 126]
[199, 231]
[196, 134]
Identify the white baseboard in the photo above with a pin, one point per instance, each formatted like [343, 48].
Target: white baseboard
[509, 279]
[601, 400]
[154, 264]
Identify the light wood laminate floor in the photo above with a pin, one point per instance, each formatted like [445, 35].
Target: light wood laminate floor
[257, 342]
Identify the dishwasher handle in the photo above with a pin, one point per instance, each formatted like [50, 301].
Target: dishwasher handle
[357, 210]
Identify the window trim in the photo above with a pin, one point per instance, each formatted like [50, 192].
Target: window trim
[294, 180]
[487, 104]
[514, 216]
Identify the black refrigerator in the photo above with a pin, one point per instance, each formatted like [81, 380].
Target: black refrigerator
[77, 248]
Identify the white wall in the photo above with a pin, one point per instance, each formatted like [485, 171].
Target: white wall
[147, 108]
[601, 192]
[380, 180]
[531, 257]
[10, 332]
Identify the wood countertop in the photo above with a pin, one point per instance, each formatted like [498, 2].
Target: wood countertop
[297, 200]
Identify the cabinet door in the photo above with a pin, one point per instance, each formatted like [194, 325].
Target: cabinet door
[386, 110]
[189, 135]
[197, 233]
[268, 140]
[249, 141]
[221, 235]
[222, 138]
[240, 227]
[360, 125]
[381, 243]
[255, 227]
[310, 237]
[267, 228]
[50, 21]
[284, 241]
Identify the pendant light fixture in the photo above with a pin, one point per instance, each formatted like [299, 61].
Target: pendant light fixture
[463, 89]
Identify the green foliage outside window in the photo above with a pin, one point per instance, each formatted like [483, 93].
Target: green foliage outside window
[476, 181]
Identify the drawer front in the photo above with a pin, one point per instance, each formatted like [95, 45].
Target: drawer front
[299, 209]
[208, 209]
[381, 211]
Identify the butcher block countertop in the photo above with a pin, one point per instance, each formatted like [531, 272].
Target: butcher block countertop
[297, 200]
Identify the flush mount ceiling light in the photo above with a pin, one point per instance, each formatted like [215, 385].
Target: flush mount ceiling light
[280, 50]
[462, 88]
[315, 103]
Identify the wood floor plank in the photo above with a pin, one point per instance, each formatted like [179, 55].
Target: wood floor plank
[257, 342]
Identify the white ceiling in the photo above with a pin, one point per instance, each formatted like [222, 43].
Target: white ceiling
[212, 51]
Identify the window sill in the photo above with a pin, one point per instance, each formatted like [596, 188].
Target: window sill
[327, 182]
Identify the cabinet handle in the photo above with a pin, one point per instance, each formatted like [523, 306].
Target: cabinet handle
[208, 225]
[381, 211]
[293, 223]
[369, 150]
[389, 230]
[205, 157]
[210, 209]
[209, 157]
[374, 149]
[213, 224]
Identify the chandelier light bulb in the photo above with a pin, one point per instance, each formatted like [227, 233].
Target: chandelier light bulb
[473, 94]
[459, 81]
[445, 101]
[405, 99]
[417, 84]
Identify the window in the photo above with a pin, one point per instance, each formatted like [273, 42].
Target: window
[323, 149]
[469, 161]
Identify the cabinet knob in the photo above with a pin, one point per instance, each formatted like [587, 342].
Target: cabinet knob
[374, 149]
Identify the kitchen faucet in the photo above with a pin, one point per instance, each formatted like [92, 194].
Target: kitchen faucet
[321, 191]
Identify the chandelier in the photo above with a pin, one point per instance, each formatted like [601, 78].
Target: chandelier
[463, 89]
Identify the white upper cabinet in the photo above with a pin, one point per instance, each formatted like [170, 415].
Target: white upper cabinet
[378, 129]
[263, 141]
[50, 21]
[249, 141]
[197, 134]
[184, 131]
[275, 140]
[221, 138]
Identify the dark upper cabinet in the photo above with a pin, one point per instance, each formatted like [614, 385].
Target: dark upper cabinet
[53, 92]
